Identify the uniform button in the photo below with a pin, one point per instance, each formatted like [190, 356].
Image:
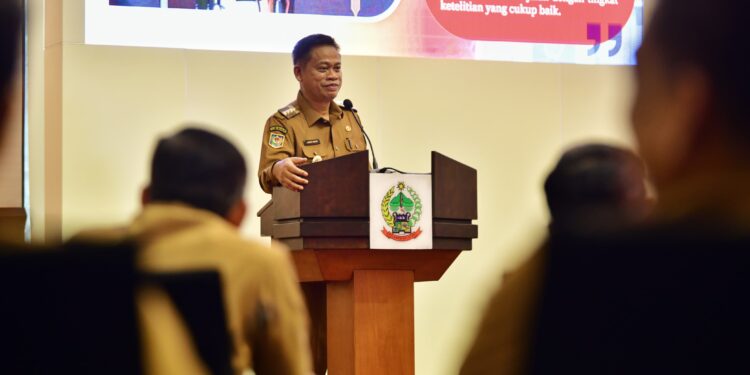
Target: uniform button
[348, 128]
[336, 148]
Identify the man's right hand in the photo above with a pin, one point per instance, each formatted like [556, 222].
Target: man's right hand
[289, 175]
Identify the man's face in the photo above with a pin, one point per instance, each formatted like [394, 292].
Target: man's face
[320, 77]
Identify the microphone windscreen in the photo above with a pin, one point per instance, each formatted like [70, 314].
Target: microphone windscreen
[348, 104]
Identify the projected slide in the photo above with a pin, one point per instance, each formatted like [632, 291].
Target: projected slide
[558, 31]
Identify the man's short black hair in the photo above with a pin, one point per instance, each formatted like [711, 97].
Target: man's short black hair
[710, 36]
[198, 168]
[11, 19]
[302, 49]
[594, 180]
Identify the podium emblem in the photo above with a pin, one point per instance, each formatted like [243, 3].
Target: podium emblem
[400, 211]
[401, 208]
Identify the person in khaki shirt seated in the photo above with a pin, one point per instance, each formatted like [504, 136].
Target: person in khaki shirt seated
[313, 127]
[594, 188]
[191, 211]
[10, 30]
[11, 16]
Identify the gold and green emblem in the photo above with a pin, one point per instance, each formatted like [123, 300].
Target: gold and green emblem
[401, 209]
[276, 140]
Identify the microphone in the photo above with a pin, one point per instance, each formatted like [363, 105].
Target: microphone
[350, 107]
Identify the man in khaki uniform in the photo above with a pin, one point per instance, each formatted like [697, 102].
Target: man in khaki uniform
[10, 20]
[11, 228]
[313, 127]
[191, 211]
[594, 188]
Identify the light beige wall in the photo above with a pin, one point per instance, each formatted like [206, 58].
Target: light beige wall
[35, 120]
[508, 120]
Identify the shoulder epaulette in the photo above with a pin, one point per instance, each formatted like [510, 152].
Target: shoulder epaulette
[289, 111]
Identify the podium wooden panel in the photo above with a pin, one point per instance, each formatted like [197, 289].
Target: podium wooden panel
[361, 301]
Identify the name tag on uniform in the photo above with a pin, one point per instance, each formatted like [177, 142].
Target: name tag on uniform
[312, 142]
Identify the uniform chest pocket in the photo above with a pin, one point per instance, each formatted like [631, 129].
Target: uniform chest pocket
[352, 144]
[318, 149]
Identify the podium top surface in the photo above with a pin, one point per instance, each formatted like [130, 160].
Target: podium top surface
[339, 188]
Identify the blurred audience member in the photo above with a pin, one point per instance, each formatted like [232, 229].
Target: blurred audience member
[11, 16]
[669, 297]
[10, 37]
[191, 211]
[594, 188]
[690, 115]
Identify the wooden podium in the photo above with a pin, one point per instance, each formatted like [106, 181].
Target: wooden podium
[361, 301]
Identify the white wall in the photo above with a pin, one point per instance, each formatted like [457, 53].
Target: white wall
[508, 120]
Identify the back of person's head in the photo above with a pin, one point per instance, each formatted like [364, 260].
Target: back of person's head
[10, 37]
[690, 113]
[710, 37]
[596, 185]
[198, 168]
[303, 48]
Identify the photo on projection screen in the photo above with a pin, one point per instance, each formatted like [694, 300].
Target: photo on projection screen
[554, 31]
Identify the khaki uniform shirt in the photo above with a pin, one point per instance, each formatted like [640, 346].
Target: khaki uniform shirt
[298, 130]
[266, 314]
[503, 339]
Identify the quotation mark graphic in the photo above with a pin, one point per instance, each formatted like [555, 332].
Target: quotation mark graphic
[594, 33]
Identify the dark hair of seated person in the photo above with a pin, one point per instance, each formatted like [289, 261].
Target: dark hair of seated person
[596, 186]
[198, 168]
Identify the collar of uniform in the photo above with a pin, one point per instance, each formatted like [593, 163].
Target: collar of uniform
[159, 218]
[312, 116]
